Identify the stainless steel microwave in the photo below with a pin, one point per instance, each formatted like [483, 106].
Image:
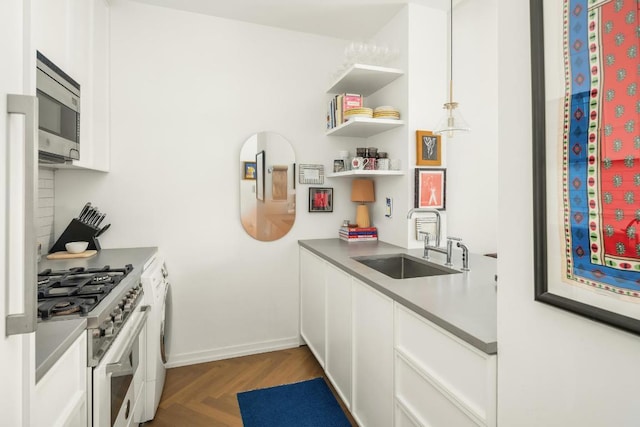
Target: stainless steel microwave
[58, 113]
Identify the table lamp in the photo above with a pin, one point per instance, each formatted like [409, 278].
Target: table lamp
[362, 192]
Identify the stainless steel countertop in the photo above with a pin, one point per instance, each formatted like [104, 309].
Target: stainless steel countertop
[462, 304]
[54, 337]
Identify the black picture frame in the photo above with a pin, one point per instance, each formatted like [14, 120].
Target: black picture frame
[541, 199]
[320, 199]
[430, 189]
[260, 185]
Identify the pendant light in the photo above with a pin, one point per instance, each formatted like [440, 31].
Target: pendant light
[452, 121]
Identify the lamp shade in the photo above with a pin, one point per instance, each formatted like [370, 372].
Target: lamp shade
[362, 191]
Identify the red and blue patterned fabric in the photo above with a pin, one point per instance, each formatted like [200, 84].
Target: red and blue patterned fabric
[601, 144]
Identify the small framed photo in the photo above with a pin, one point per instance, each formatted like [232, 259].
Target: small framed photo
[428, 148]
[430, 188]
[320, 199]
[249, 170]
[338, 165]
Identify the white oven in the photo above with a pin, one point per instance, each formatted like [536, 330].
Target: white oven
[119, 377]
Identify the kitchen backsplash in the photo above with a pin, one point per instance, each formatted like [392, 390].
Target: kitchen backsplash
[44, 213]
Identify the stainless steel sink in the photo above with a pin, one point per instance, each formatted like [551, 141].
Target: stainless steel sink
[403, 266]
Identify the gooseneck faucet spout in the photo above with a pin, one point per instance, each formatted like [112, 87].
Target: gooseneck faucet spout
[432, 211]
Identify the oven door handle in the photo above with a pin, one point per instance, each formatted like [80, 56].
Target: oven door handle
[122, 362]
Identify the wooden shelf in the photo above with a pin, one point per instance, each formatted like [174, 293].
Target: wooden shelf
[364, 127]
[364, 79]
[363, 172]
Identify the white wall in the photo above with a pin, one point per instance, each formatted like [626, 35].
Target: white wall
[187, 90]
[554, 368]
[472, 158]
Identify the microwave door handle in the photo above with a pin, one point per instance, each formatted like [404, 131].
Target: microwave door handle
[122, 363]
[25, 322]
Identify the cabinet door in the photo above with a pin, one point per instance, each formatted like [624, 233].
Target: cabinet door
[312, 303]
[338, 362]
[372, 357]
[100, 118]
[61, 396]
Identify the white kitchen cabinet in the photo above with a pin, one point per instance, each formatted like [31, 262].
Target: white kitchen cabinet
[439, 379]
[338, 328]
[61, 397]
[372, 403]
[312, 303]
[74, 34]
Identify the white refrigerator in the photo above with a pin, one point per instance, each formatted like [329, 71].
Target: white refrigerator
[18, 183]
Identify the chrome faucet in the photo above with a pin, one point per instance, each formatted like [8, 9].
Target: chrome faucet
[427, 240]
[428, 247]
[432, 211]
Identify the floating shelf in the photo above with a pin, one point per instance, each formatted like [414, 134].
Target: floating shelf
[363, 172]
[364, 79]
[364, 127]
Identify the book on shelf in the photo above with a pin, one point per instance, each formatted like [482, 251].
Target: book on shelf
[339, 104]
[359, 239]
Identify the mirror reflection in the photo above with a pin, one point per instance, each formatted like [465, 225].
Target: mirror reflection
[267, 187]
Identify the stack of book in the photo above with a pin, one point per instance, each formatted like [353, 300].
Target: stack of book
[366, 234]
[338, 105]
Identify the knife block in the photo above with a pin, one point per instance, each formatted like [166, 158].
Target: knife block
[77, 231]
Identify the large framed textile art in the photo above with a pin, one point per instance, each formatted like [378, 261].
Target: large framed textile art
[586, 157]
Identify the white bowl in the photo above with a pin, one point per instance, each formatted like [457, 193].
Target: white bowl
[76, 247]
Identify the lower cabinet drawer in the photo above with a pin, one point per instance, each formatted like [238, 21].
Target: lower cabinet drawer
[425, 402]
[461, 370]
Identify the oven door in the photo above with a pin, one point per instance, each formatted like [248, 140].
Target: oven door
[118, 379]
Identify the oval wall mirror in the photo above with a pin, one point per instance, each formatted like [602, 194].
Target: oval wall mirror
[267, 186]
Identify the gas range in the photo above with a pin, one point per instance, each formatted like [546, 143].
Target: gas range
[101, 295]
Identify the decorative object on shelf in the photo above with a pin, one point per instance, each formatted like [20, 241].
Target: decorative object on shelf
[452, 121]
[249, 170]
[320, 199]
[358, 112]
[386, 112]
[311, 174]
[260, 175]
[362, 192]
[430, 188]
[359, 163]
[338, 165]
[428, 149]
[368, 53]
[585, 155]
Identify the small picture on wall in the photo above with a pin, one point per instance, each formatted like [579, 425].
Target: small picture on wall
[249, 170]
[430, 188]
[320, 199]
[428, 149]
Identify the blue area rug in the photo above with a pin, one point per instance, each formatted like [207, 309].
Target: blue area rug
[304, 404]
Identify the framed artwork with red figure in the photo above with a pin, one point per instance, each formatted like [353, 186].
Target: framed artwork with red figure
[430, 188]
[320, 199]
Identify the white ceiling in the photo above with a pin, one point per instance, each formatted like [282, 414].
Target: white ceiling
[343, 19]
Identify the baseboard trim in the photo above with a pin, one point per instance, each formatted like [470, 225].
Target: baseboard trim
[185, 359]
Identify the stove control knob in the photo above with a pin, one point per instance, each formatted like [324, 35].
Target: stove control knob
[116, 315]
[127, 306]
[107, 328]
